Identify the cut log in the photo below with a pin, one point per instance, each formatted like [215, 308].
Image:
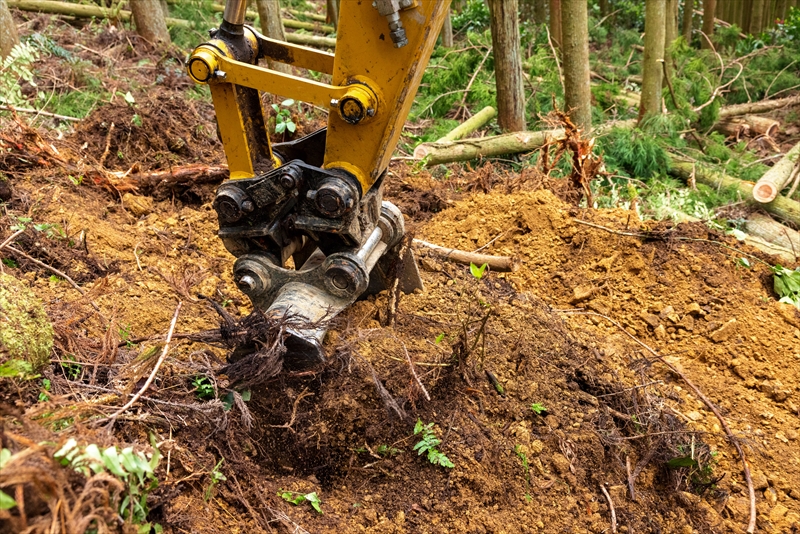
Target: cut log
[306, 15]
[772, 231]
[470, 125]
[781, 207]
[468, 149]
[774, 180]
[496, 263]
[748, 125]
[762, 106]
[185, 175]
[310, 40]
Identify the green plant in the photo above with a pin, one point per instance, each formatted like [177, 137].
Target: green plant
[125, 335]
[203, 387]
[525, 468]
[43, 396]
[538, 408]
[476, 271]
[696, 463]
[131, 467]
[428, 445]
[283, 117]
[296, 498]
[6, 500]
[387, 451]
[14, 69]
[216, 477]
[787, 285]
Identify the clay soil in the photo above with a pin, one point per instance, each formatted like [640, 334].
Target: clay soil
[598, 329]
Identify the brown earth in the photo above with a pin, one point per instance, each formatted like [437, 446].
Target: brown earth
[485, 351]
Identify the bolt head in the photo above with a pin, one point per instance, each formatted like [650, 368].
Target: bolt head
[247, 283]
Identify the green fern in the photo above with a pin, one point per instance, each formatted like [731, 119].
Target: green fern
[16, 67]
[428, 443]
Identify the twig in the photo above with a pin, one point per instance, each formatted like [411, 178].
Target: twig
[414, 372]
[157, 366]
[108, 145]
[631, 480]
[495, 263]
[729, 434]
[611, 507]
[52, 270]
[11, 238]
[795, 175]
[555, 56]
[766, 93]
[305, 393]
[40, 112]
[498, 236]
[461, 106]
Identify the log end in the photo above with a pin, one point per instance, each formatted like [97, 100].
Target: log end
[421, 152]
[764, 192]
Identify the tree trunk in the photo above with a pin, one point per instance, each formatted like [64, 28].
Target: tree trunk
[652, 71]
[671, 28]
[555, 22]
[688, 20]
[150, 21]
[756, 17]
[603, 8]
[777, 177]
[508, 65]
[447, 31]
[468, 126]
[498, 145]
[737, 14]
[8, 30]
[709, 10]
[575, 51]
[332, 8]
[780, 9]
[269, 15]
[540, 11]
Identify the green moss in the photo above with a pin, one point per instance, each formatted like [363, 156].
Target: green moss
[25, 330]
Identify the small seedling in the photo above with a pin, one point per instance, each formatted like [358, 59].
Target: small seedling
[6, 501]
[476, 271]
[439, 338]
[538, 408]
[283, 117]
[526, 468]
[387, 451]
[125, 335]
[216, 478]
[428, 443]
[296, 498]
[203, 387]
[43, 396]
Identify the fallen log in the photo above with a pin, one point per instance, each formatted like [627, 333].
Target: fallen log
[762, 106]
[468, 149]
[305, 14]
[772, 231]
[184, 175]
[777, 177]
[311, 40]
[748, 125]
[781, 207]
[496, 263]
[470, 125]
[287, 23]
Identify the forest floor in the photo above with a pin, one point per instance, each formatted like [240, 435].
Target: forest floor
[558, 391]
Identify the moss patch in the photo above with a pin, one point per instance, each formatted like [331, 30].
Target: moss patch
[25, 330]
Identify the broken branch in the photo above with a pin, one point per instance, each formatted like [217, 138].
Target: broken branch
[495, 263]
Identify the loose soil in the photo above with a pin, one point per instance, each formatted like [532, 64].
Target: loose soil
[573, 331]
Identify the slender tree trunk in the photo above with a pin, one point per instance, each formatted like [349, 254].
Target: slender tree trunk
[575, 51]
[603, 8]
[671, 27]
[150, 21]
[269, 15]
[555, 22]
[332, 8]
[780, 9]
[688, 20]
[8, 30]
[737, 14]
[709, 12]
[652, 73]
[447, 31]
[507, 64]
[756, 17]
[540, 11]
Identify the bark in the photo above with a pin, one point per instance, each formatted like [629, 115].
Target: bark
[777, 177]
[555, 22]
[603, 8]
[575, 51]
[756, 17]
[508, 65]
[503, 264]
[781, 207]
[688, 20]
[738, 17]
[709, 8]
[447, 31]
[652, 71]
[150, 21]
[468, 149]
[772, 231]
[467, 127]
[540, 11]
[269, 15]
[671, 24]
[8, 30]
[780, 9]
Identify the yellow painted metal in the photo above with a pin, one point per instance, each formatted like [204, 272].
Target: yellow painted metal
[232, 131]
[363, 47]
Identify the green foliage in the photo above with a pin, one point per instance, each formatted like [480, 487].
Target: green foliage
[131, 467]
[428, 445]
[696, 463]
[15, 69]
[525, 468]
[6, 501]
[476, 271]
[538, 408]
[296, 498]
[388, 451]
[787, 285]
[43, 396]
[473, 18]
[216, 477]
[203, 387]
[283, 117]
[636, 153]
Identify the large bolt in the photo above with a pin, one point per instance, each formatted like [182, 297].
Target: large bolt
[345, 276]
[247, 283]
[334, 198]
[231, 204]
[252, 275]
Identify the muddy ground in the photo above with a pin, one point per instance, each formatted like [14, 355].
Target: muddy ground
[599, 329]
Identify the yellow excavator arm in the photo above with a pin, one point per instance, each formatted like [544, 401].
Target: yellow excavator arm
[318, 199]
